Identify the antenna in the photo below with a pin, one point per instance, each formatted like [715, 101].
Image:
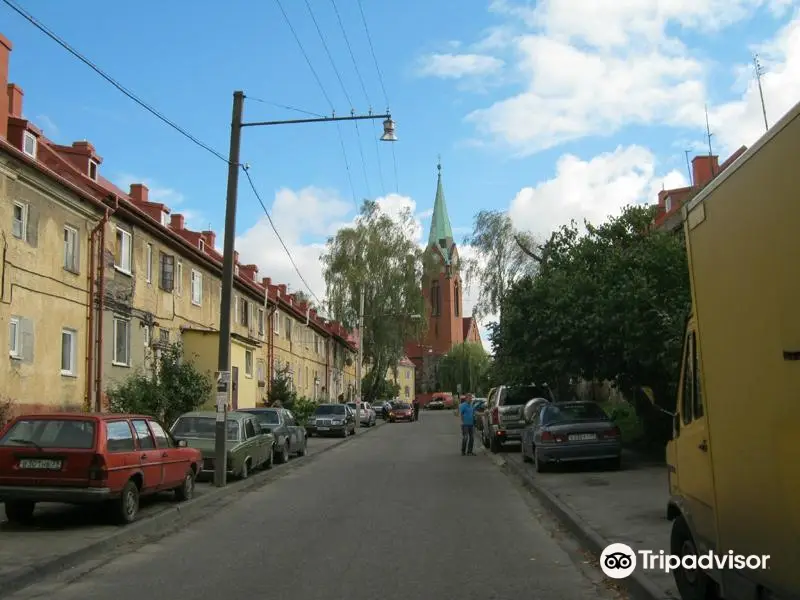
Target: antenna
[689, 167]
[759, 72]
[710, 151]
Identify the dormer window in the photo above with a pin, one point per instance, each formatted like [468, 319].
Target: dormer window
[164, 218]
[93, 170]
[202, 245]
[668, 204]
[236, 270]
[255, 276]
[29, 143]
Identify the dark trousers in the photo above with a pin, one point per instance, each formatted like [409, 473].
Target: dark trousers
[467, 438]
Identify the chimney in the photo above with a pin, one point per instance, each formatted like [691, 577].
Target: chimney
[15, 95]
[266, 282]
[313, 314]
[704, 169]
[282, 289]
[177, 222]
[235, 257]
[5, 51]
[211, 238]
[139, 192]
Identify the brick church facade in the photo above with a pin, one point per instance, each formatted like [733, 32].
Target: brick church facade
[444, 296]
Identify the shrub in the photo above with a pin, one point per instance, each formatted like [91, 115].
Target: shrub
[302, 409]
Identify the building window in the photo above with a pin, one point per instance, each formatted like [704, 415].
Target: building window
[163, 336]
[236, 270]
[457, 299]
[197, 287]
[93, 170]
[248, 363]
[122, 342]
[261, 322]
[146, 335]
[244, 312]
[19, 222]
[71, 249]
[202, 245]
[167, 280]
[408, 374]
[276, 322]
[289, 328]
[14, 346]
[436, 305]
[164, 218]
[29, 144]
[68, 345]
[148, 256]
[179, 278]
[122, 254]
[668, 204]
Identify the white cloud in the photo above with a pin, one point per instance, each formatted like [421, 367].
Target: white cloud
[170, 197]
[592, 190]
[458, 66]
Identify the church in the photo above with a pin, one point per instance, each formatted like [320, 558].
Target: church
[443, 292]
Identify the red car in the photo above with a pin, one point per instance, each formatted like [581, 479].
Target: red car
[81, 458]
[401, 412]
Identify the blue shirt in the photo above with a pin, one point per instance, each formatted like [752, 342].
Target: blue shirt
[467, 414]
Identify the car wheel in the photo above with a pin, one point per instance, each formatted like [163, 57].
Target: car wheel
[270, 459]
[302, 450]
[285, 453]
[245, 472]
[540, 465]
[20, 512]
[525, 456]
[127, 506]
[485, 440]
[185, 491]
[495, 446]
[693, 584]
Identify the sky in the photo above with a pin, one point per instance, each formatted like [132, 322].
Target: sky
[551, 110]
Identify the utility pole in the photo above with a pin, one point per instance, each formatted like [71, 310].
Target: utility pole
[759, 73]
[360, 356]
[688, 167]
[224, 358]
[710, 151]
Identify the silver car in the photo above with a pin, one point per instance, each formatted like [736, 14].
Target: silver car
[367, 413]
[503, 421]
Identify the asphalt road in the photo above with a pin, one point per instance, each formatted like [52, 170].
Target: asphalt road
[397, 514]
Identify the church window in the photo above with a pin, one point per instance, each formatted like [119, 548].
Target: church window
[457, 297]
[436, 300]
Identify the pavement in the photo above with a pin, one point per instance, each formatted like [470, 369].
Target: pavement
[603, 507]
[60, 531]
[394, 514]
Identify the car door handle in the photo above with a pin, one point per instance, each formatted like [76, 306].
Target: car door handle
[703, 446]
[164, 454]
[143, 457]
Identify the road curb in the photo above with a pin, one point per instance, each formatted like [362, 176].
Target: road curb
[163, 523]
[638, 584]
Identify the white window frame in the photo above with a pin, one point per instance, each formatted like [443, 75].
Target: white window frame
[164, 218]
[23, 222]
[148, 254]
[668, 204]
[261, 323]
[15, 341]
[196, 279]
[276, 322]
[92, 170]
[179, 277]
[146, 335]
[29, 137]
[71, 264]
[126, 258]
[115, 359]
[248, 365]
[73, 347]
[202, 245]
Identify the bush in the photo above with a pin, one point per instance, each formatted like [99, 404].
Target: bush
[5, 411]
[280, 389]
[302, 409]
[624, 415]
[174, 387]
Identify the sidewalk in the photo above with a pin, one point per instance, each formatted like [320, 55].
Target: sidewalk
[604, 507]
[64, 535]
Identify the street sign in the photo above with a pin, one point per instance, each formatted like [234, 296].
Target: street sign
[222, 401]
[223, 381]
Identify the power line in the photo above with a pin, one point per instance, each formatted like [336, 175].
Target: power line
[372, 50]
[285, 107]
[52, 35]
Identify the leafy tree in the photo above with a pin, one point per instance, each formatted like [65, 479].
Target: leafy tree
[500, 259]
[173, 387]
[380, 388]
[281, 390]
[609, 304]
[302, 408]
[377, 256]
[466, 364]
[302, 297]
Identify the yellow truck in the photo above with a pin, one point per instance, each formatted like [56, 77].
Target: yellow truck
[734, 460]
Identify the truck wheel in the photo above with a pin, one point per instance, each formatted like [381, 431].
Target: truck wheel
[693, 584]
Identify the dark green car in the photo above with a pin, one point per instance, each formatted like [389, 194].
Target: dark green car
[249, 447]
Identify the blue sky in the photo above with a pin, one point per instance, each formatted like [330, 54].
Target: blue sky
[552, 110]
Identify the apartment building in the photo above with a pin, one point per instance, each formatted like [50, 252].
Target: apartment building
[114, 277]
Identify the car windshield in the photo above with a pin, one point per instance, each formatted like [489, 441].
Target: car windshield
[267, 417]
[203, 428]
[51, 433]
[353, 405]
[330, 409]
[521, 394]
[569, 413]
[402, 406]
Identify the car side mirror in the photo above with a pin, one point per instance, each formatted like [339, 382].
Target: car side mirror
[182, 443]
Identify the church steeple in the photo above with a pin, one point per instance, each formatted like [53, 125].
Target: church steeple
[441, 234]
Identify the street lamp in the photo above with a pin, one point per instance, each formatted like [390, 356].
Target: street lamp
[223, 362]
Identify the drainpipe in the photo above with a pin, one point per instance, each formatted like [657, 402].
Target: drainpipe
[87, 401]
[101, 289]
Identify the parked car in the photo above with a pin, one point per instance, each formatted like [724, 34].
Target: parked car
[503, 420]
[570, 432]
[435, 405]
[249, 448]
[290, 438]
[382, 408]
[479, 406]
[332, 419]
[91, 458]
[401, 411]
[367, 414]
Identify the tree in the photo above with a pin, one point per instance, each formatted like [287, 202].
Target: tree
[379, 258]
[281, 391]
[499, 261]
[302, 297]
[607, 305]
[381, 387]
[175, 386]
[466, 364]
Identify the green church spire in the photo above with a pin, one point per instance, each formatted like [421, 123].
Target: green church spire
[440, 221]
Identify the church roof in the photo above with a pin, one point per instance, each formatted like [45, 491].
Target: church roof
[440, 221]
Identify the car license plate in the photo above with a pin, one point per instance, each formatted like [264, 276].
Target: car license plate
[582, 437]
[323, 428]
[41, 464]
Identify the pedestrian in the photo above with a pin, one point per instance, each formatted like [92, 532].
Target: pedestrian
[467, 427]
[416, 408]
